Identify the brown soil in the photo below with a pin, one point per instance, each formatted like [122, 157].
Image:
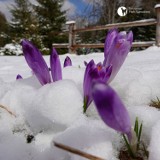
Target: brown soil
[125, 156]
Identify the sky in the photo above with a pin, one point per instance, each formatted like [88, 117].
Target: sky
[73, 7]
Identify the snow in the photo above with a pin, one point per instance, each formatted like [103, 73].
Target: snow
[54, 112]
[50, 109]
[76, 74]
[157, 6]
[97, 136]
[70, 22]
[11, 49]
[155, 140]
[146, 20]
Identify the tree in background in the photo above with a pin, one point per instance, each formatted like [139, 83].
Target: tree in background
[51, 21]
[4, 28]
[21, 18]
[24, 23]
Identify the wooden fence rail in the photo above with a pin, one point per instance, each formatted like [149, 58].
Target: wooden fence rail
[72, 45]
[144, 22]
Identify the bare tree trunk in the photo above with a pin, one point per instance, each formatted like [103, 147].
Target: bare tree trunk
[113, 11]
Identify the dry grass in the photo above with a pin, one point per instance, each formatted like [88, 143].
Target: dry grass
[8, 110]
[155, 103]
[77, 152]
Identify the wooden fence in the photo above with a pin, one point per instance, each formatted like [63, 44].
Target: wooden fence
[72, 45]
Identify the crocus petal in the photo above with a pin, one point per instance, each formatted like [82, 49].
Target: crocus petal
[36, 62]
[67, 62]
[92, 77]
[108, 74]
[130, 37]
[55, 64]
[111, 109]
[109, 41]
[118, 59]
[88, 77]
[19, 77]
[85, 81]
[121, 35]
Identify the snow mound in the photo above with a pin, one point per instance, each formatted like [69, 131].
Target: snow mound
[75, 74]
[60, 103]
[88, 135]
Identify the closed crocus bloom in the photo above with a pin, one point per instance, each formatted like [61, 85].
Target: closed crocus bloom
[93, 73]
[36, 62]
[111, 109]
[55, 65]
[117, 47]
[19, 77]
[67, 62]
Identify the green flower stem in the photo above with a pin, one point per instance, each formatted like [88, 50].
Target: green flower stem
[129, 147]
[85, 105]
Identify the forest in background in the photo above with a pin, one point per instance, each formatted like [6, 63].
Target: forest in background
[44, 23]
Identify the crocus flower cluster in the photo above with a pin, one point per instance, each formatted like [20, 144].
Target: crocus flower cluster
[38, 65]
[117, 46]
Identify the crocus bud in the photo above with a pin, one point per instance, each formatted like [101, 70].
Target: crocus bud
[55, 65]
[36, 62]
[19, 77]
[111, 109]
[67, 62]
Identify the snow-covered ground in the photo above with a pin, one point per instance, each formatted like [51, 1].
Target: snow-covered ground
[54, 112]
[11, 49]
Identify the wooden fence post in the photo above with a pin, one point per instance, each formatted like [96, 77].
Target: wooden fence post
[157, 9]
[72, 40]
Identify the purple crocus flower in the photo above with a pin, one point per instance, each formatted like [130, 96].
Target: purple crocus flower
[93, 73]
[36, 62]
[19, 77]
[67, 62]
[117, 47]
[111, 109]
[55, 64]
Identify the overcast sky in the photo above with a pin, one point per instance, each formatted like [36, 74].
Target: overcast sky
[73, 6]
